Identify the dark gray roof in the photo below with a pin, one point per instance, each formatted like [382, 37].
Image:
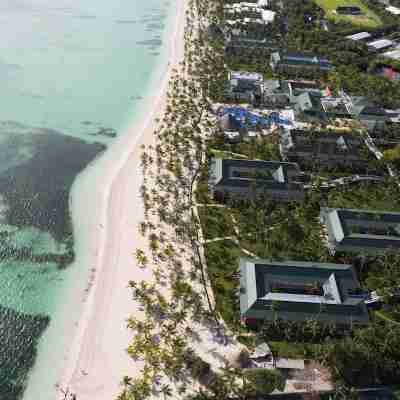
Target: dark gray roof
[333, 147]
[271, 85]
[373, 110]
[304, 102]
[265, 174]
[349, 10]
[300, 290]
[373, 113]
[361, 230]
[304, 59]
[377, 393]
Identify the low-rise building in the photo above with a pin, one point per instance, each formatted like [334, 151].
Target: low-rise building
[244, 86]
[297, 291]
[393, 54]
[252, 122]
[322, 105]
[280, 181]
[286, 92]
[325, 148]
[245, 42]
[245, 12]
[349, 10]
[380, 44]
[370, 115]
[373, 393]
[231, 128]
[393, 10]
[359, 36]
[295, 62]
[388, 72]
[361, 231]
[275, 94]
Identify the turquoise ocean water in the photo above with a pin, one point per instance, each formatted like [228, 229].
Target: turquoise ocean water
[73, 73]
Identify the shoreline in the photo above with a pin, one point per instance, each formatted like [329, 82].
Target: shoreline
[96, 358]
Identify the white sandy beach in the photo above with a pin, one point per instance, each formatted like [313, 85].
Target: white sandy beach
[107, 209]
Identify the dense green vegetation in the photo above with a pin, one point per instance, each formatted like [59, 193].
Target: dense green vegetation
[263, 148]
[293, 350]
[353, 60]
[216, 222]
[262, 381]
[370, 357]
[287, 231]
[375, 196]
[222, 261]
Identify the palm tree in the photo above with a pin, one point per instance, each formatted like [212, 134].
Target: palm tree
[126, 381]
[141, 258]
[166, 391]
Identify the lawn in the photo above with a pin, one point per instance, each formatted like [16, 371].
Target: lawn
[369, 19]
[382, 197]
[261, 148]
[293, 350]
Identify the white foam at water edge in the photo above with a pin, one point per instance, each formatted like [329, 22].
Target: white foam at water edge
[86, 189]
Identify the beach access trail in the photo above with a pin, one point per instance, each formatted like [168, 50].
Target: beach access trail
[107, 209]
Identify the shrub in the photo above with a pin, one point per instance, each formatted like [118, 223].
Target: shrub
[263, 381]
[199, 369]
[243, 359]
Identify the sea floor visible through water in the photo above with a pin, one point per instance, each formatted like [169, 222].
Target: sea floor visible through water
[74, 73]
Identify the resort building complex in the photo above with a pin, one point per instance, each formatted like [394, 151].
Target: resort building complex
[298, 291]
[250, 178]
[328, 149]
[290, 61]
[361, 231]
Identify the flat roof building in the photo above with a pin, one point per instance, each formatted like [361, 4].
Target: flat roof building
[393, 54]
[393, 10]
[361, 231]
[359, 36]
[247, 76]
[249, 178]
[297, 291]
[349, 10]
[380, 44]
[323, 105]
[246, 12]
[281, 93]
[243, 85]
[281, 61]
